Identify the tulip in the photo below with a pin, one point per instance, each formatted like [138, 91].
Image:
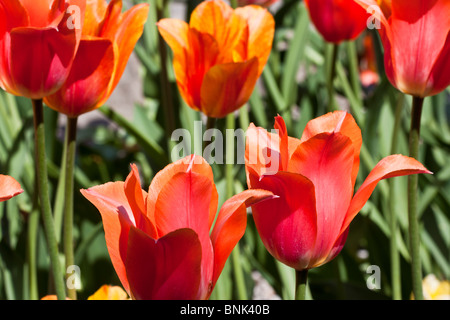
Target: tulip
[9, 188]
[107, 292]
[337, 20]
[108, 39]
[314, 178]
[38, 42]
[219, 55]
[416, 44]
[159, 241]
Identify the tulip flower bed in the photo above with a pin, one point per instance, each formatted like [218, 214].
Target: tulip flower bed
[280, 150]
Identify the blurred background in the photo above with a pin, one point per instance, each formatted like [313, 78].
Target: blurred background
[133, 127]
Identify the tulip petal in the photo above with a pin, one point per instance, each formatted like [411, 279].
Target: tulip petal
[117, 217]
[388, 167]
[261, 26]
[43, 72]
[338, 121]
[125, 31]
[327, 161]
[136, 199]
[163, 269]
[184, 202]
[287, 224]
[262, 150]
[440, 75]
[191, 163]
[89, 78]
[231, 224]
[226, 87]
[9, 187]
[280, 125]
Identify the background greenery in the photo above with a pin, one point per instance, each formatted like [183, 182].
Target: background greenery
[294, 84]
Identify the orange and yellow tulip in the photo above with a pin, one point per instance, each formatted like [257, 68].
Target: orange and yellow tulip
[337, 20]
[159, 241]
[9, 188]
[415, 36]
[307, 224]
[108, 39]
[219, 55]
[38, 42]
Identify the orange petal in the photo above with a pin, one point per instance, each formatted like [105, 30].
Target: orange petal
[338, 121]
[280, 125]
[388, 167]
[94, 15]
[107, 292]
[89, 78]
[167, 269]
[9, 187]
[117, 217]
[125, 32]
[261, 32]
[226, 87]
[231, 224]
[193, 163]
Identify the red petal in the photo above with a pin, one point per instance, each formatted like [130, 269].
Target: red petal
[9, 187]
[388, 167]
[163, 269]
[89, 79]
[43, 67]
[117, 216]
[280, 125]
[287, 224]
[327, 161]
[231, 224]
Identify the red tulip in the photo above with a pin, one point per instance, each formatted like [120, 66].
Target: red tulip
[9, 188]
[38, 42]
[415, 36]
[108, 39]
[160, 242]
[314, 178]
[219, 55]
[337, 20]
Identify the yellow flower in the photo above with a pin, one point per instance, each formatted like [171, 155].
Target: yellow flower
[434, 289]
[107, 292]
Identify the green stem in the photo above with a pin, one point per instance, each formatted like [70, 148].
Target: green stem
[331, 54]
[301, 281]
[33, 226]
[43, 190]
[235, 254]
[354, 70]
[70, 142]
[395, 257]
[414, 234]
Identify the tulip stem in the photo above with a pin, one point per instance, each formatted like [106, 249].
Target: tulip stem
[44, 197]
[235, 254]
[331, 55]
[301, 281]
[413, 220]
[395, 257]
[68, 197]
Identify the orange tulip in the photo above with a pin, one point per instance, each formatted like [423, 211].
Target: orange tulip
[219, 55]
[314, 178]
[337, 20]
[108, 39]
[9, 188]
[107, 292]
[415, 36]
[159, 241]
[38, 42]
